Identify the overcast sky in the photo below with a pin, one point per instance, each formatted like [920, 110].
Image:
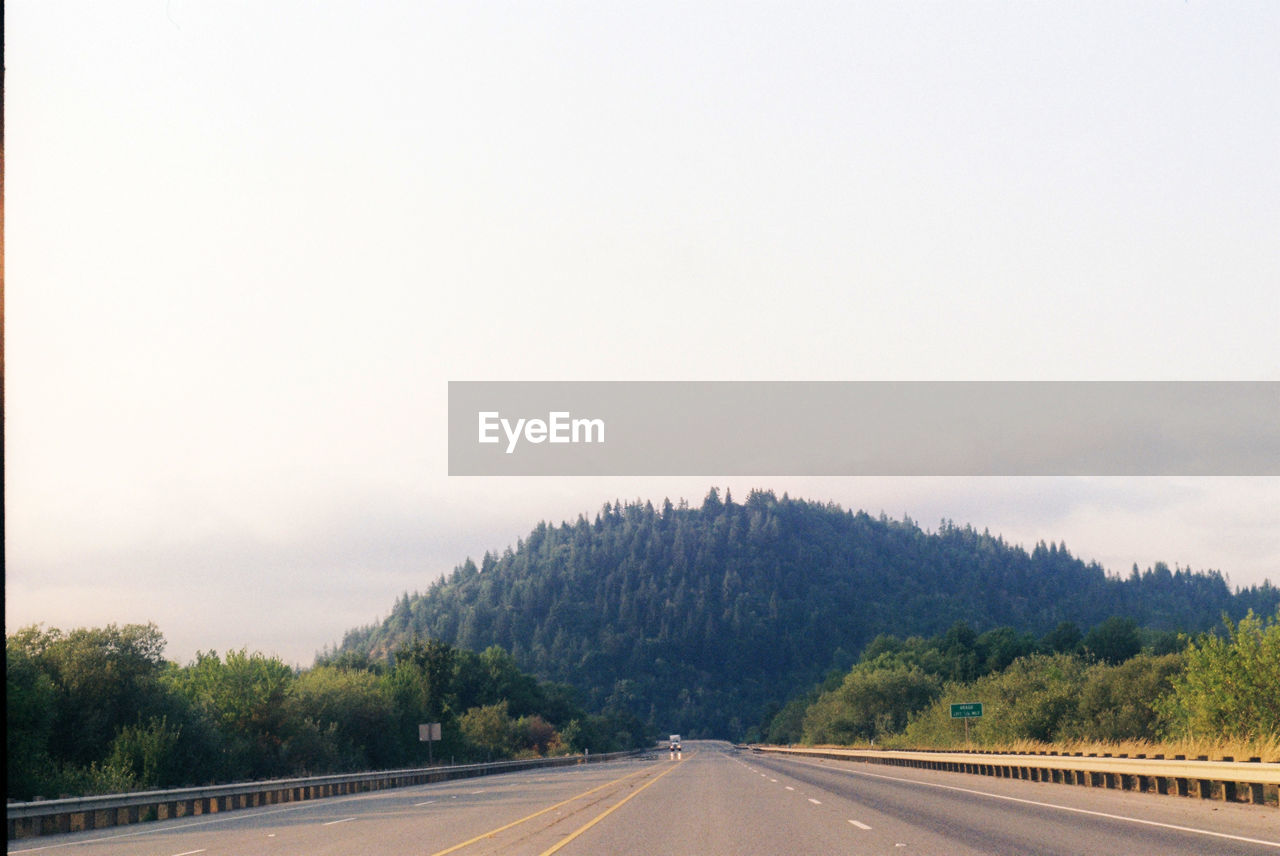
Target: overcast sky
[249, 243]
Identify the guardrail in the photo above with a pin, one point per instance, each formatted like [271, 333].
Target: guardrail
[1229, 780]
[45, 817]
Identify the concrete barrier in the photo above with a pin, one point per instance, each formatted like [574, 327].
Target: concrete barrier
[46, 817]
[1229, 780]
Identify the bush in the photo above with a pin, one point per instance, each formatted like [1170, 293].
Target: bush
[1122, 702]
[1031, 700]
[491, 728]
[148, 752]
[870, 702]
[1231, 686]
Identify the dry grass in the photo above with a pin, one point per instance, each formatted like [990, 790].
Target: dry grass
[1266, 748]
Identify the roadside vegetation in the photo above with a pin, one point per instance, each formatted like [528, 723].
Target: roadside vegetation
[1116, 689]
[101, 711]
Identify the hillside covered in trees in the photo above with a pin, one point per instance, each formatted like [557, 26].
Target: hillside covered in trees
[703, 619]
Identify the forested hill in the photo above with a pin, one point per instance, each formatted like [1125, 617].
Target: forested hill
[697, 619]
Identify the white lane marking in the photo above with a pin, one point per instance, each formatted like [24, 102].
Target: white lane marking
[190, 852]
[344, 820]
[788, 787]
[428, 802]
[859, 824]
[473, 793]
[775, 781]
[815, 802]
[1138, 820]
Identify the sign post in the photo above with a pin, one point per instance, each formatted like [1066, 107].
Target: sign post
[428, 732]
[966, 711]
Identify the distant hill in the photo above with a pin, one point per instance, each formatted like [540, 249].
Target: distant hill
[698, 619]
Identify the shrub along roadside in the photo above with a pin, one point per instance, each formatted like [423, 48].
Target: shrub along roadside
[1218, 695]
[100, 711]
[1230, 687]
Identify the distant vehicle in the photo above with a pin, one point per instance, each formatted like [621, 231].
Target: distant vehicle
[675, 742]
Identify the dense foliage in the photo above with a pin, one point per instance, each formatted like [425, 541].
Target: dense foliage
[701, 620]
[1231, 685]
[1215, 687]
[100, 710]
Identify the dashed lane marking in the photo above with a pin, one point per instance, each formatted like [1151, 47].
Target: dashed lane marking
[1067, 808]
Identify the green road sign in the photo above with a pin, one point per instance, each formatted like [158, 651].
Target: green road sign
[967, 710]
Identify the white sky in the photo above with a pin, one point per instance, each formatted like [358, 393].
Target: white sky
[248, 244]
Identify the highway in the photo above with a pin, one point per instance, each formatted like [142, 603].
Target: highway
[714, 800]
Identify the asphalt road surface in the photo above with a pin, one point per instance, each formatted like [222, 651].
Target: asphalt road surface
[713, 801]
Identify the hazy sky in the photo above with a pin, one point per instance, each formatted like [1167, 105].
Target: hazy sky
[249, 243]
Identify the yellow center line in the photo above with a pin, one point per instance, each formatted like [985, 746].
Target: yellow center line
[493, 832]
[607, 812]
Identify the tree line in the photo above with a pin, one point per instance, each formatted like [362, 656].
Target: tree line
[99, 710]
[1116, 683]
